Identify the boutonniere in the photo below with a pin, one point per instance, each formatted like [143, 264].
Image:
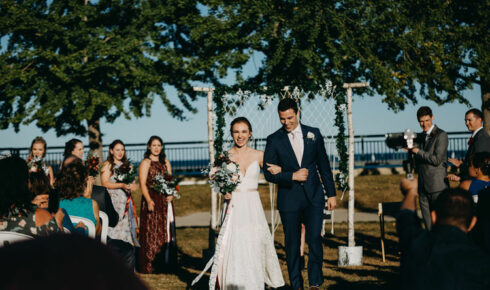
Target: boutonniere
[310, 137]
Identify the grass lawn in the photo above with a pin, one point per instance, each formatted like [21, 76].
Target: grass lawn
[369, 190]
[373, 274]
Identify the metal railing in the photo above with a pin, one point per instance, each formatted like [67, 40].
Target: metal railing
[189, 158]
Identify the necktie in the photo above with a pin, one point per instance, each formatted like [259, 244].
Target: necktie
[297, 146]
[470, 142]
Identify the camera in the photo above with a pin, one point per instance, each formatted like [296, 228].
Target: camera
[407, 139]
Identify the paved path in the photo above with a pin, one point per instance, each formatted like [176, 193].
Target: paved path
[201, 219]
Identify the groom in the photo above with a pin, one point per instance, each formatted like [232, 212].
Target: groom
[300, 151]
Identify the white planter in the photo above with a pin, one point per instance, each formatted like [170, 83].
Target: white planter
[350, 256]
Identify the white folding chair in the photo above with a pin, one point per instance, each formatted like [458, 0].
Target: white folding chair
[105, 226]
[7, 238]
[88, 223]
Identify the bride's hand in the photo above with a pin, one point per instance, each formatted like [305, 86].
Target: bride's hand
[273, 169]
[228, 196]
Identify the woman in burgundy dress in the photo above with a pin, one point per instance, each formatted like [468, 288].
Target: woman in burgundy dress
[157, 221]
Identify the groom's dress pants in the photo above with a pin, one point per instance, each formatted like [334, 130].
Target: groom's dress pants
[291, 220]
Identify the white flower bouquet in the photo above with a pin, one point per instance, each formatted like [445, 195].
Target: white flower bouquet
[224, 174]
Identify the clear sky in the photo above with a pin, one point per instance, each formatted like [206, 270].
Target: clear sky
[370, 116]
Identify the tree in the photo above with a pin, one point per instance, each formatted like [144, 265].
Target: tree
[430, 49]
[68, 64]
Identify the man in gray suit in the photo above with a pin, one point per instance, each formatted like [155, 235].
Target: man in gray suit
[430, 160]
[478, 142]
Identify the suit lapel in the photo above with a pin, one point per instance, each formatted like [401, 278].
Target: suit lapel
[288, 146]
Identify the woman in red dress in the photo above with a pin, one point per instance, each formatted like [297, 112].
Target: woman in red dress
[157, 221]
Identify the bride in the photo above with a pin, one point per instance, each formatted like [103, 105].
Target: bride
[245, 257]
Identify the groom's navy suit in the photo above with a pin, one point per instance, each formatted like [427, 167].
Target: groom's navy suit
[301, 201]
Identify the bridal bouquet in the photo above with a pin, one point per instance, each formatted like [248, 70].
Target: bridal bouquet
[224, 174]
[35, 163]
[166, 184]
[93, 165]
[125, 173]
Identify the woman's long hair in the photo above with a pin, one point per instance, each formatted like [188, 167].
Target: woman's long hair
[162, 156]
[72, 180]
[41, 140]
[70, 146]
[110, 156]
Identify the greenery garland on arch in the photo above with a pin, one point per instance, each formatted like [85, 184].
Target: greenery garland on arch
[328, 90]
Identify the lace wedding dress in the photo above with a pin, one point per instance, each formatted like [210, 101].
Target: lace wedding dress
[245, 257]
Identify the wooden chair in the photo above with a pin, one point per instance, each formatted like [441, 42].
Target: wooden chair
[386, 208]
[7, 238]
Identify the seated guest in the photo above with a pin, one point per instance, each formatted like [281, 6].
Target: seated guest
[45, 197]
[64, 262]
[73, 183]
[481, 233]
[73, 150]
[444, 257]
[100, 195]
[479, 171]
[16, 211]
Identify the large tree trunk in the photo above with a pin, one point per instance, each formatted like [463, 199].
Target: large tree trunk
[95, 141]
[485, 98]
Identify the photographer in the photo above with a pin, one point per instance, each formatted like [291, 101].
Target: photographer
[430, 159]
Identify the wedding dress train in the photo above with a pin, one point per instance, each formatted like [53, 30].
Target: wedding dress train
[245, 257]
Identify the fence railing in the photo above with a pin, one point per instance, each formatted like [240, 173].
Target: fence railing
[189, 158]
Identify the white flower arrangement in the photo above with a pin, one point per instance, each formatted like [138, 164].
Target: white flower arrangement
[310, 136]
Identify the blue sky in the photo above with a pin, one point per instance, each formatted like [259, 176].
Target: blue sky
[370, 116]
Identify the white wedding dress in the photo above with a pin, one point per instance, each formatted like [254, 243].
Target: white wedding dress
[245, 257]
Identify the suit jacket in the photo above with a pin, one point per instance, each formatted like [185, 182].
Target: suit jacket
[280, 152]
[481, 143]
[431, 162]
[103, 199]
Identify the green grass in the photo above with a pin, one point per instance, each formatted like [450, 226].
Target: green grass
[373, 274]
[369, 191]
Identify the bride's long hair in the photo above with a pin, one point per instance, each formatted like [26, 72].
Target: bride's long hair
[240, 120]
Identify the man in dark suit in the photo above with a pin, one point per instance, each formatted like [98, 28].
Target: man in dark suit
[444, 257]
[478, 142]
[430, 160]
[300, 152]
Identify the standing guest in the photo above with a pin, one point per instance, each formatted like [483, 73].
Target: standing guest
[430, 159]
[444, 257]
[16, 211]
[73, 149]
[123, 234]
[479, 171]
[478, 142]
[38, 149]
[73, 183]
[157, 226]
